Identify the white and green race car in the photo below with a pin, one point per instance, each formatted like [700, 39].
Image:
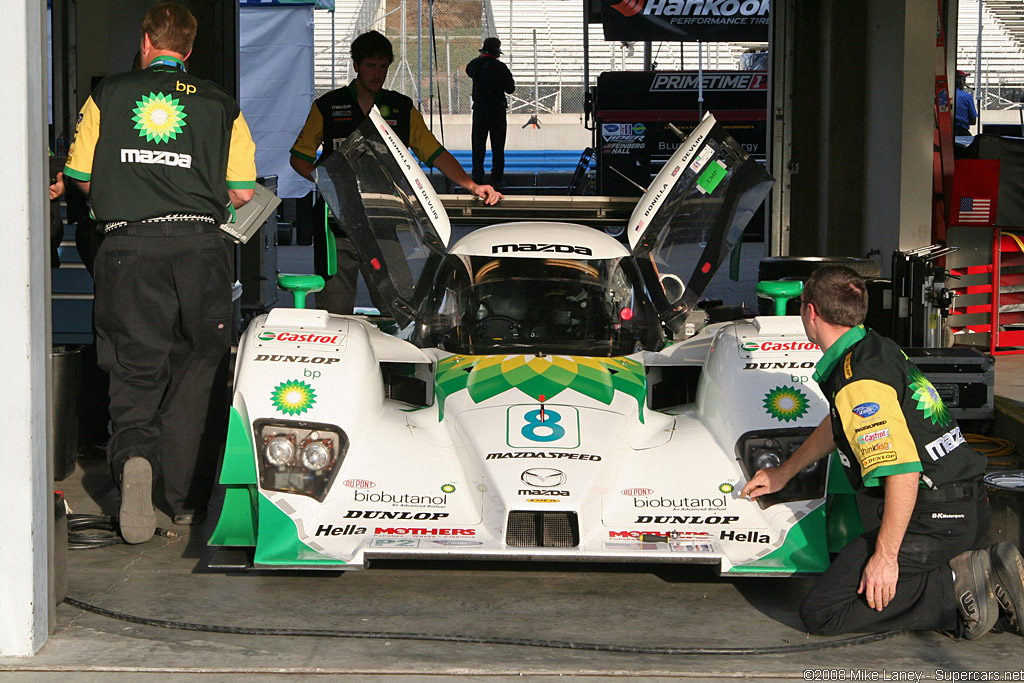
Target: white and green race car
[550, 392]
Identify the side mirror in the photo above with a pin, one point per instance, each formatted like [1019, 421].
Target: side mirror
[673, 286]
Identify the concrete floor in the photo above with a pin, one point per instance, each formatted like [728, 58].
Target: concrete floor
[622, 605]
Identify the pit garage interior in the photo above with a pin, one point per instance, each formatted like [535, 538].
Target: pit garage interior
[852, 122]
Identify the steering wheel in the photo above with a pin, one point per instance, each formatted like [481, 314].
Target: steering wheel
[514, 327]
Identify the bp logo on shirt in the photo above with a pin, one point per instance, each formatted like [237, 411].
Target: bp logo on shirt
[928, 400]
[158, 117]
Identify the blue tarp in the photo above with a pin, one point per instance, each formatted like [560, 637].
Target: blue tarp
[276, 87]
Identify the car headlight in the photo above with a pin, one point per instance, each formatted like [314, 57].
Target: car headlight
[765, 449]
[280, 449]
[299, 457]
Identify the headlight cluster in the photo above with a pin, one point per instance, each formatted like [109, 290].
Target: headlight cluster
[299, 457]
[761, 450]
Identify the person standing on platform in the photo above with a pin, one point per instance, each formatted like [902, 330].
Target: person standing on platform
[164, 157]
[965, 115]
[492, 80]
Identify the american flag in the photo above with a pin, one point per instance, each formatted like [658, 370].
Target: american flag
[974, 210]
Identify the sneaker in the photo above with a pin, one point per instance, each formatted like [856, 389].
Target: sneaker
[137, 520]
[190, 518]
[978, 607]
[1008, 583]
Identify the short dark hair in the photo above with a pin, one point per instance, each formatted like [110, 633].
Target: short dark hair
[170, 27]
[838, 294]
[372, 45]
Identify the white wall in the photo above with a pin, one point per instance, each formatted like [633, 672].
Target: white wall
[24, 280]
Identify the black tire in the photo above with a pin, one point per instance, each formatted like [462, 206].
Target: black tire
[801, 267]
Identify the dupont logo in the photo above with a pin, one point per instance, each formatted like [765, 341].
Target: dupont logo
[360, 484]
[307, 338]
[637, 492]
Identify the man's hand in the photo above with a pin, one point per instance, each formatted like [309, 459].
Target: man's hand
[57, 189]
[488, 194]
[764, 482]
[878, 581]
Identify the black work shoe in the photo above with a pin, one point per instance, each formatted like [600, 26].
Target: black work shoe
[978, 607]
[1008, 583]
[137, 520]
[190, 518]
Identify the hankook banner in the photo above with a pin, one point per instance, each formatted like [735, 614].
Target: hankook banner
[685, 20]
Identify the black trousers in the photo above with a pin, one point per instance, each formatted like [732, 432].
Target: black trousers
[163, 331]
[491, 123]
[924, 600]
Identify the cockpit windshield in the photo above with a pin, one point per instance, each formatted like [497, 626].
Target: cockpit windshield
[488, 304]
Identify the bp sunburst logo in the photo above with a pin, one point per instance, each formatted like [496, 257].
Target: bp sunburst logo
[293, 397]
[448, 488]
[158, 117]
[786, 403]
[725, 487]
[928, 400]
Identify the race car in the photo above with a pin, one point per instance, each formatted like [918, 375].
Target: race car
[544, 392]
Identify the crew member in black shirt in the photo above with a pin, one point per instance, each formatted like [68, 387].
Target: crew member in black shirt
[331, 119]
[163, 166]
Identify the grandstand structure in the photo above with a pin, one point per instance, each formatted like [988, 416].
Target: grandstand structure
[542, 42]
[1000, 78]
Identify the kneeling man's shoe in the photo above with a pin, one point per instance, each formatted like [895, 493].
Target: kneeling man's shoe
[137, 520]
[1008, 583]
[972, 586]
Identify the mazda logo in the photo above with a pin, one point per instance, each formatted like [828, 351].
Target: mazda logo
[543, 477]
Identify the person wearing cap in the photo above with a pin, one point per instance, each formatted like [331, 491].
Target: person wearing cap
[332, 118]
[491, 81]
[920, 564]
[965, 113]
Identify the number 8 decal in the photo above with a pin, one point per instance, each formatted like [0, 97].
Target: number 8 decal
[534, 423]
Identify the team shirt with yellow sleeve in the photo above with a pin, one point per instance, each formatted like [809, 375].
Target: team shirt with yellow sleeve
[334, 116]
[159, 142]
[888, 418]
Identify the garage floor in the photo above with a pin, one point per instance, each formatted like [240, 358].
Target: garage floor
[443, 604]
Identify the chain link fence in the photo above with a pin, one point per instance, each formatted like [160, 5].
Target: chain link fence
[542, 42]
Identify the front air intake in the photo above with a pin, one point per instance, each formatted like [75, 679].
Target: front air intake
[542, 529]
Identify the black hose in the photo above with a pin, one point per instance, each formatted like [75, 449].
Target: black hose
[483, 640]
[98, 531]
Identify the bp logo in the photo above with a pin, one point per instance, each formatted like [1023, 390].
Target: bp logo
[293, 397]
[725, 487]
[786, 403]
[158, 117]
[928, 400]
[448, 488]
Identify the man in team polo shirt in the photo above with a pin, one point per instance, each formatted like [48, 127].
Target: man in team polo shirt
[164, 158]
[331, 119]
[900, 447]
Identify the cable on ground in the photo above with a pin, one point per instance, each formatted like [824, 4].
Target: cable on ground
[483, 640]
[98, 531]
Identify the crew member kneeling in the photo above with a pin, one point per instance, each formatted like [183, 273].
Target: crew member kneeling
[921, 569]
